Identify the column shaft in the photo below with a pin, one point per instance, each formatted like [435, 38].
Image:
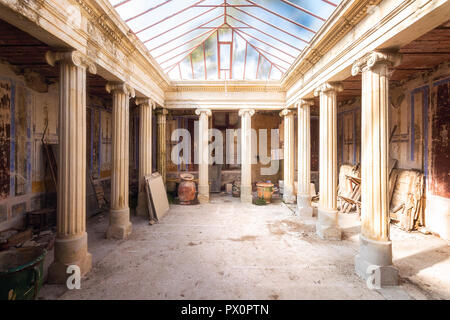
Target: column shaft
[162, 157]
[289, 168]
[304, 159]
[119, 220]
[203, 141]
[246, 154]
[71, 240]
[327, 224]
[145, 152]
[375, 246]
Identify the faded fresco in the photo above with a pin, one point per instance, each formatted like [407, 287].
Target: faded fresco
[5, 138]
[440, 146]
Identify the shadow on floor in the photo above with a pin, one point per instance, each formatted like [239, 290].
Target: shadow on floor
[413, 264]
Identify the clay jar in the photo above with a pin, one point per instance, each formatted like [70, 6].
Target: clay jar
[186, 189]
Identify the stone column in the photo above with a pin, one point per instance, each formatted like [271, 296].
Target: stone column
[162, 157]
[304, 158]
[327, 224]
[289, 168]
[375, 253]
[119, 219]
[71, 239]
[246, 154]
[203, 154]
[145, 151]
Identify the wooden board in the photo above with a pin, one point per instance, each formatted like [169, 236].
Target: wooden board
[156, 196]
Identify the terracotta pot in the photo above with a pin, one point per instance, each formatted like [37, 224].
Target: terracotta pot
[186, 189]
[265, 191]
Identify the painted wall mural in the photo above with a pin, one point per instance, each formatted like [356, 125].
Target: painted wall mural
[5, 138]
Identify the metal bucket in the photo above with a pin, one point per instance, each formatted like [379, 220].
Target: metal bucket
[21, 273]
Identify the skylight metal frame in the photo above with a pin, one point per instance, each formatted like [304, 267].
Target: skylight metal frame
[265, 48]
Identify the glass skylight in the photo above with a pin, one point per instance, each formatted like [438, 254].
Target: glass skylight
[225, 39]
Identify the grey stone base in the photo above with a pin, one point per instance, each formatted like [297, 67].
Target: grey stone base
[304, 207]
[119, 224]
[246, 194]
[375, 260]
[327, 226]
[72, 251]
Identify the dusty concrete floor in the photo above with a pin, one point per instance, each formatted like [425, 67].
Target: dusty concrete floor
[227, 250]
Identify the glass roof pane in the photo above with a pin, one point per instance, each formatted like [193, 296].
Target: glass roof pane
[239, 47]
[198, 62]
[211, 57]
[252, 63]
[274, 33]
[264, 69]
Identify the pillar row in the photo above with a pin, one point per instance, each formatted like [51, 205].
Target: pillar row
[203, 156]
[119, 219]
[327, 225]
[375, 253]
[71, 239]
[304, 158]
[145, 151]
[246, 154]
[289, 168]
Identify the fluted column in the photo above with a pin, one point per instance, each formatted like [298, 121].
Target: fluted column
[375, 245]
[289, 168]
[203, 155]
[246, 154]
[71, 239]
[119, 219]
[327, 225]
[304, 158]
[145, 151]
[162, 157]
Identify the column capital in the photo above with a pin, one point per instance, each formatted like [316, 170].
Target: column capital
[145, 102]
[120, 87]
[286, 112]
[368, 61]
[161, 111]
[201, 111]
[71, 57]
[329, 86]
[305, 103]
[248, 111]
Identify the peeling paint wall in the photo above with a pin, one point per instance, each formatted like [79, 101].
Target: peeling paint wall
[419, 122]
[24, 114]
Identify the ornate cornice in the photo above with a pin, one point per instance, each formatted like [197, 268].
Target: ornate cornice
[319, 46]
[329, 86]
[376, 57]
[71, 57]
[221, 88]
[246, 111]
[120, 87]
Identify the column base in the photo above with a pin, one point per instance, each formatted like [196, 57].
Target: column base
[141, 209]
[375, 259]
[69, 252]
[203, 194]
[119, 224]
[246, 194]
[304, 207]
[327, 227]
[288, 195]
